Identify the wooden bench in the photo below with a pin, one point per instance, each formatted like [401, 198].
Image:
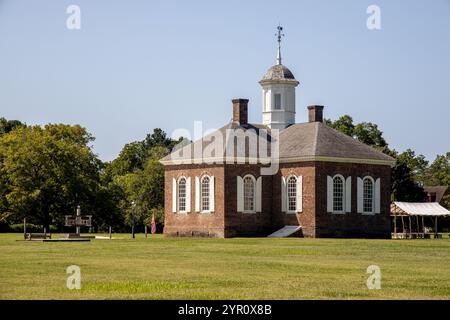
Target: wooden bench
[34, 236]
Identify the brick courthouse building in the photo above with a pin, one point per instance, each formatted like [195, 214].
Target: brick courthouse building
[325, 183]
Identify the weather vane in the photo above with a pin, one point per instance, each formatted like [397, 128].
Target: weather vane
[279, 35]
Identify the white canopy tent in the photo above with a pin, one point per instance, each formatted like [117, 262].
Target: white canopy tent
[416, 209]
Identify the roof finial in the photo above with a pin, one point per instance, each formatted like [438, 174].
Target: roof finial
[279, 35]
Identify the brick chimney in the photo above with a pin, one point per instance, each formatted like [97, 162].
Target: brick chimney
[240, 111]
[315, 113]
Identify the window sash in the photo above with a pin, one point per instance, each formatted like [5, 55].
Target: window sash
[182, 195]
[205, 194]
[368, 196]
[292, 194]
[338, 194]
[249, 194]
[277, 102]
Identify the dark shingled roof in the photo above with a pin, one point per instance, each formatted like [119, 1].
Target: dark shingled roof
[305, 140]
[439, 190]
[278, 72]
[208, 141]
[318, 139]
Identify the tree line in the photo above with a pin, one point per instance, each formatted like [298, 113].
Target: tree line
[46, 171]
[411, 172]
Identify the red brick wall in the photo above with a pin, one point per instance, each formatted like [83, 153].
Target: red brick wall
[315, 220]
[306, 218]
[247, 224]
[194, 223]
[352, 224]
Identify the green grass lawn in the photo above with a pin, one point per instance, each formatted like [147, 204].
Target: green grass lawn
[171, 268]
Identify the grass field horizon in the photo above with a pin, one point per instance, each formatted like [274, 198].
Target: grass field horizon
[239, 268]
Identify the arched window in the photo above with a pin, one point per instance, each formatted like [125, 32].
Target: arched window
[204, 189]
[292, 194]
[249, 194]
[182, 195]
[338, 194]
[368, 198]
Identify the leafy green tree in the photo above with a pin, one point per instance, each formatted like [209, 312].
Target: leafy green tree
[130, 158]
[366, 132]
[7, 126]
[158, 138]
[142, 189]
[369, 134]
[438, 173]
[404, 188]
[344, 124]
[47, 172]
[150, 181]
[135, 154]
[417, 165]
[139, 176]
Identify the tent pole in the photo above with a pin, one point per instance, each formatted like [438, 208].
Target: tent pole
[409, 218]
[423, 226]
[417, 223]
[435, 227]
[395, 226]
[403, 226]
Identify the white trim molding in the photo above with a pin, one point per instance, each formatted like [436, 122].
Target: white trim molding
[188, 194]
[197, 194]
[299, 194]
[268, 160]
[240, 194]
[348, 194]
[258, 194]
[339, 160]
[212, 194]
[378, 196]
[174, 195]
[359, 192]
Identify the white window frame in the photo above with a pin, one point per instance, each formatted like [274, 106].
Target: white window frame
[372, 212]
[209, 194]
[343, 194]
[287, 194]
[185, 194]
[254, 193]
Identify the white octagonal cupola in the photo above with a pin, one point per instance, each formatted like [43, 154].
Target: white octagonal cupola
[278, 98]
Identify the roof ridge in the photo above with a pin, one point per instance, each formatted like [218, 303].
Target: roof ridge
[316, 135]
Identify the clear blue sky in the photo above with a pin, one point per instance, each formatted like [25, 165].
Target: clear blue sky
[137, 65]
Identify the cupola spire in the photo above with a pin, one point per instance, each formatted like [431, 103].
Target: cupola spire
[279, 34]
[278, 85]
